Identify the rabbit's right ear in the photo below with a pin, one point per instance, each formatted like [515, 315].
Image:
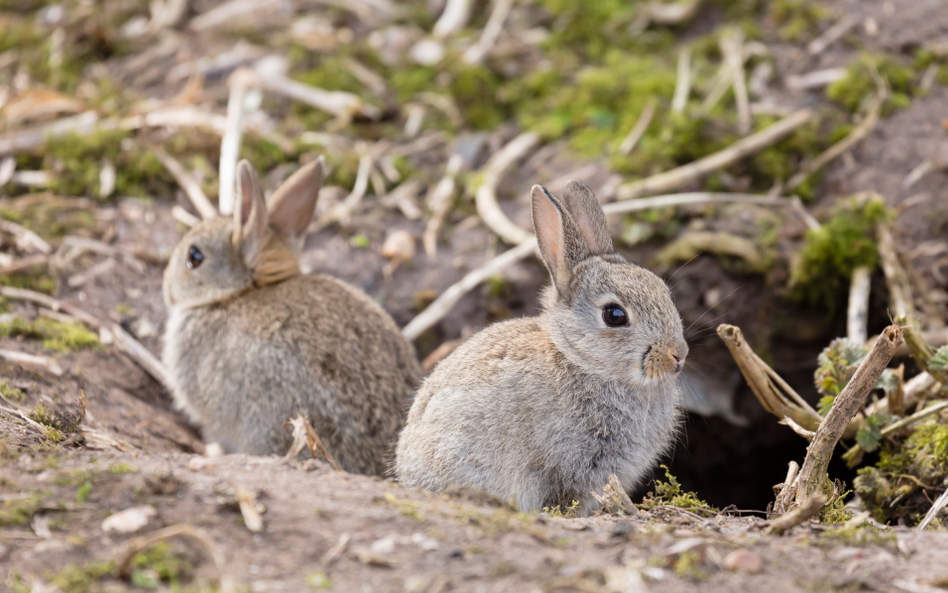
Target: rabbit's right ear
[250, 214]
[291, 207]
[584, 207]
[560, 241]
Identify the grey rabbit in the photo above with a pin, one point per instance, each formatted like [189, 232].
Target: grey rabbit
[251, 341]
[542, 410]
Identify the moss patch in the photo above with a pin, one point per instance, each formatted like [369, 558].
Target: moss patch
[83, 578]
[56, 335]
[10, 392]
[669, 493]
[858, 88]
[825, 263]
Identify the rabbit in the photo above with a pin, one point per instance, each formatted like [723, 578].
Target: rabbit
[251, 341]
[541, 410]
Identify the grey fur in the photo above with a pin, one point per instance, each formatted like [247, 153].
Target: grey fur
[542, 410]
[251, 341]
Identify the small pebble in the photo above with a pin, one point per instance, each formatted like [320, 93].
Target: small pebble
[744, 560]
[129, 520]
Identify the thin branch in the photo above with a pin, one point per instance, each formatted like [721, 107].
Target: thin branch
[453, 18]
[240, 82]
[439, 202]
[31, 362]
[184, 217]
[22, 294]
[682, 81]
[845, 407]
[440, 307]
[858, 133]
[341, 104]
[939, 505]
[837, 30]
[191, 187]
[486, 196]
[734, 53]
[741, 149]
[26, 239]
[495, 24]
[145, 359]
[638, 130]
[857, 314]
[802, 513]
[31, 138]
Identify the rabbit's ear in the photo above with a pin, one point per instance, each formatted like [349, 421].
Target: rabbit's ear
[584, 207]
[560, 241]
[292, 206]
[250, 213]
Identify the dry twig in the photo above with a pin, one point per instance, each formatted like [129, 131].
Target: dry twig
[486, 195]
[446, 301]
[26, 239]
[139, 354]
[857, 313]
[682, 81]
[247, 501]
[240, 82]
[845, 407]
[802, 513]
[453, 18]
[939, 505]
[31, 362]
[495, 23]
[439, 202]
[741, 149]
[837, 30]
[191, 187]
[858, 133]
[22, 294]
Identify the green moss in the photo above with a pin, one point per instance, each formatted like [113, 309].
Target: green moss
[318, 580]
[864, 534]
[566, 513]
[19, 511]
[56, 335]
[798, 20]
[474, 89]
[10, 392]
[122, 468]
[824, 265]
[408, 508]
[51, 218]
[159, 564]
[83, 578]
[688, 566]
[82, 494]
[669, 493]
[858, 88]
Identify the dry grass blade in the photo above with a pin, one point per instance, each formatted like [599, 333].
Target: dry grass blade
[439, 202]
[845, 407]
[495, 23]
[33, 138]
[920, 349]
[184, 217]
[858, 133]
[837, 30]
[802, 513]
[247, 501]
[97, 439]
[440, 307]
[222, 13]
[760, 377]
[191, 187]
[741, 149]
[638, 130]
[303, 433]
[939, 505]
[22, 416]
[25, 263]
[22, 294]
[139, 354]
[144, 542]
[486, 195]
[338, 103]
[682, 81]
[900, 292]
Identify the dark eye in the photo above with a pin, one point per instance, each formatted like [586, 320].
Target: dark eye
[195, 257]
[614, 316]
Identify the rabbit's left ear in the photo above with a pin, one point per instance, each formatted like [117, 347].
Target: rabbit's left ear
[250, 214]
[560, 241]
[291, 207]
[584, 207]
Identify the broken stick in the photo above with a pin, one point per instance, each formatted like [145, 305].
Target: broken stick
[845, 407]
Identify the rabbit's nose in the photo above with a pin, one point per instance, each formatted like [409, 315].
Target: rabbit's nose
[680, 362]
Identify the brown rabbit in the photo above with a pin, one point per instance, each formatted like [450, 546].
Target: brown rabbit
[544, 409]
[251, 341]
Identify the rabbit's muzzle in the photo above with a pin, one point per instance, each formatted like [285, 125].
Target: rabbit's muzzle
[664, 359]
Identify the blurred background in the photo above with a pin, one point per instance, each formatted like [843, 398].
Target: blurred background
[435, 118]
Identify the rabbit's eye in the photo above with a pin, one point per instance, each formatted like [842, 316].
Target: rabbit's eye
[195, 257]
[614, 316]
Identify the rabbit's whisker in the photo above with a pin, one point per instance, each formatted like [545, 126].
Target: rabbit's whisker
[713, 306]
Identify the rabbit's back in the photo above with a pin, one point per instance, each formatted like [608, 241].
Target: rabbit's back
[509, 413]
[308, 345]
